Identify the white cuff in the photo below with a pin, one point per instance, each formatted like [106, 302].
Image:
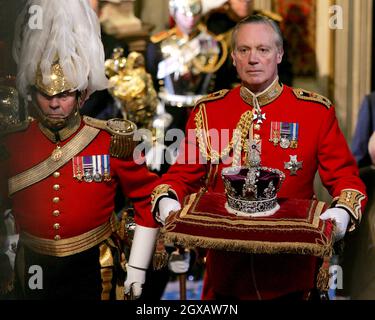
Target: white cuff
[143, 247]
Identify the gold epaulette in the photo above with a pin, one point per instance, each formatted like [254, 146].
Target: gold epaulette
[212, 96]
[122, 135]
[9, 129]
[312, 96]
[272, 15]
[162, 35]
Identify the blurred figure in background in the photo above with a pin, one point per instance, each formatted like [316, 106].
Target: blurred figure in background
[183, 60]
[364, 130]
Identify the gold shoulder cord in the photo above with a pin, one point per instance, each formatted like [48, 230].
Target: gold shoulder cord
[238, 139]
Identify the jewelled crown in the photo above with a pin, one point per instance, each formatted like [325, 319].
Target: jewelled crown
[252, 191]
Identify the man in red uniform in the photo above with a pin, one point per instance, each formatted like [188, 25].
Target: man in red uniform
[60, 171]
[293, 130]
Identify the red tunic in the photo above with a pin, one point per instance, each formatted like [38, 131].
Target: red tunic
[321, 147]
[82, 206]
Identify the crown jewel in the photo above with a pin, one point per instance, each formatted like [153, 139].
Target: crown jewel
[252, 191]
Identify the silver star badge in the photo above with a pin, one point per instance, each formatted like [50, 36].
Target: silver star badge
[293, 165]
[259, 117]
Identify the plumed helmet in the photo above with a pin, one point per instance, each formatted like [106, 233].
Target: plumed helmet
[58, 47]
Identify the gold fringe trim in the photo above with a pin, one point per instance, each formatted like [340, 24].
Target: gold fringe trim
[122, 146]
[161, 256]
[258, 247]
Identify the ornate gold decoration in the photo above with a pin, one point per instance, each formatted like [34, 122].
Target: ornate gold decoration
[122, 131]
[161, 190]
[132, 86]
[312, 96]
[56, 83]
[270, 95]
[9, 109]
[350, 200]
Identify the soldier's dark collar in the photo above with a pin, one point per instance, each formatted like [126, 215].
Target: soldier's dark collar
[66, 132]
[265, 97]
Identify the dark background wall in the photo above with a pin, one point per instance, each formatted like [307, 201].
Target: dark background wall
[9, 10]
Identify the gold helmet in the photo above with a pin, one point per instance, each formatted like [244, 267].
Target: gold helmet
[187, 7]
[56, 82]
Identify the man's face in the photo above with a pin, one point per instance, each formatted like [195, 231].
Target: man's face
[186, 23]
[57, 107]
[242, 8]
[256, 56]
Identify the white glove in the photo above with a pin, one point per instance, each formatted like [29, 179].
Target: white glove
[166, 205]
[179, 263]
[135, 278]
[141, 252]
[341, 218]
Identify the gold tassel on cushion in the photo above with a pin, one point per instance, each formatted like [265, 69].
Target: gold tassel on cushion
[322, 279]
[160, 258]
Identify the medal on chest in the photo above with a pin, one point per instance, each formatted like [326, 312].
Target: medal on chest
[95, 168]
[293, 165]
[284, 134]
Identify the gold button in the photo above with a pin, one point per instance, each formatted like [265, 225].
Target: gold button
[56, 226]
[256, 136]
[56, 200]
[56, 213]
[57, 237]
[56, 174]
[257, 127]
[56, 187]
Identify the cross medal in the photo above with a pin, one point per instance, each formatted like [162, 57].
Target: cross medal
[259, 116]
[293, 165]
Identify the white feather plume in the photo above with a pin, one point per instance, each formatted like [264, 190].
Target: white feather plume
[71, 31]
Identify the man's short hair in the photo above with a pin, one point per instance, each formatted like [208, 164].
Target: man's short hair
[258, 19]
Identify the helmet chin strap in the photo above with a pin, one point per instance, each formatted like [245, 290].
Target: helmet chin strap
[54, 124]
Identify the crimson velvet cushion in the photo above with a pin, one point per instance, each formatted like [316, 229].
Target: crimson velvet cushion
[295, 228]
